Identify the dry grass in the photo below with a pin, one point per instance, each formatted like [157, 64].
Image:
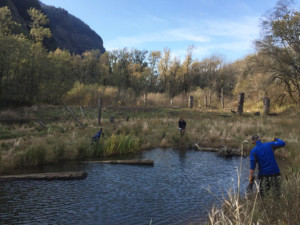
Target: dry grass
[152, 127]
[31, 145]
[252, 209]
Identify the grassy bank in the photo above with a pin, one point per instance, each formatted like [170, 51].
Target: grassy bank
[24, 142]
[253, 209]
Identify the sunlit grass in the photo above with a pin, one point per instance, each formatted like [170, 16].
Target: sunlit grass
[63, 139]
[253, 209]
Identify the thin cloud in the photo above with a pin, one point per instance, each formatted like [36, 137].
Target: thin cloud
[186, 35]
[177, 35]
[208, 36]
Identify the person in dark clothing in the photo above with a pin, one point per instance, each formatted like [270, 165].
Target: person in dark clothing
[97, 136]
[182, 126]
[268, 170]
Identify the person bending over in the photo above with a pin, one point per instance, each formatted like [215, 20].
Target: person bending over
[97, 136]
[268, 170]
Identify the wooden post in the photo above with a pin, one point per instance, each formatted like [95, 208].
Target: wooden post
[209, 98]
[145, 99]
[267, 103]
[82, 113]
[171, 101]
[222, 98]
[112, 119]
[191, 101]
[241, 103]
[205, 101]
[99, 111]
[75, 118]
[41, 123]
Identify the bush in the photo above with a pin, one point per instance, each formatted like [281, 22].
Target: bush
[88, 95]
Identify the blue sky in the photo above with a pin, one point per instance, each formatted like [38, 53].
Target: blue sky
[213, 27]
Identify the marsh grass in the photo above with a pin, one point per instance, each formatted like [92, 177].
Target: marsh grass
[147, 128]
[252, 209]
[62, 140]
[120, 145]
[34, 156]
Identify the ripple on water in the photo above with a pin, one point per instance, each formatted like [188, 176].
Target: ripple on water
[173, 191]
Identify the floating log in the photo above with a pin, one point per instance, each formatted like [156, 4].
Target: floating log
[148, 162]
[46, 176]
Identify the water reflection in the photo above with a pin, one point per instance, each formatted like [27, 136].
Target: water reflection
[173, 191]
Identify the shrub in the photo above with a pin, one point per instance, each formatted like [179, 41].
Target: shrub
[88, 95]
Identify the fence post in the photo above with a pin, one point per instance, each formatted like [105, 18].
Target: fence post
[222, 98]
[241, 103]
[99, 111]
[191, 101]
[205, 101]
[267, 103]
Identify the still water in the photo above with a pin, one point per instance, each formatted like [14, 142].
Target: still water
[173, 191]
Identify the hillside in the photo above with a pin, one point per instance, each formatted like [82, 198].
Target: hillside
[68, 31]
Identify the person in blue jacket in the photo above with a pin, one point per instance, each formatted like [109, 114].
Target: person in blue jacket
[268, 170]
[97, 136]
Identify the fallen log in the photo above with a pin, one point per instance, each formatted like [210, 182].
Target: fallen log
[204, 149]
[46, 176]
[148, 162]
[222, 151]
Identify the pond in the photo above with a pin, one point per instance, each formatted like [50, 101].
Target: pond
[173, 191]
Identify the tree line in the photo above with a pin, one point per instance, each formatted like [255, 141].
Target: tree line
[31, 74]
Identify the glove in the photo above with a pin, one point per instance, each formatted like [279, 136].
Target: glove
[250, 185]
[251, 180]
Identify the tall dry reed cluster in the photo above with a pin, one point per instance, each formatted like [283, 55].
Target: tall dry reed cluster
[253, 209]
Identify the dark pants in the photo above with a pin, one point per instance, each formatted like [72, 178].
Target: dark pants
[269, 184]
[182, 131]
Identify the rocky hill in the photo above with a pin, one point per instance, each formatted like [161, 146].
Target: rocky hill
[68, 31]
